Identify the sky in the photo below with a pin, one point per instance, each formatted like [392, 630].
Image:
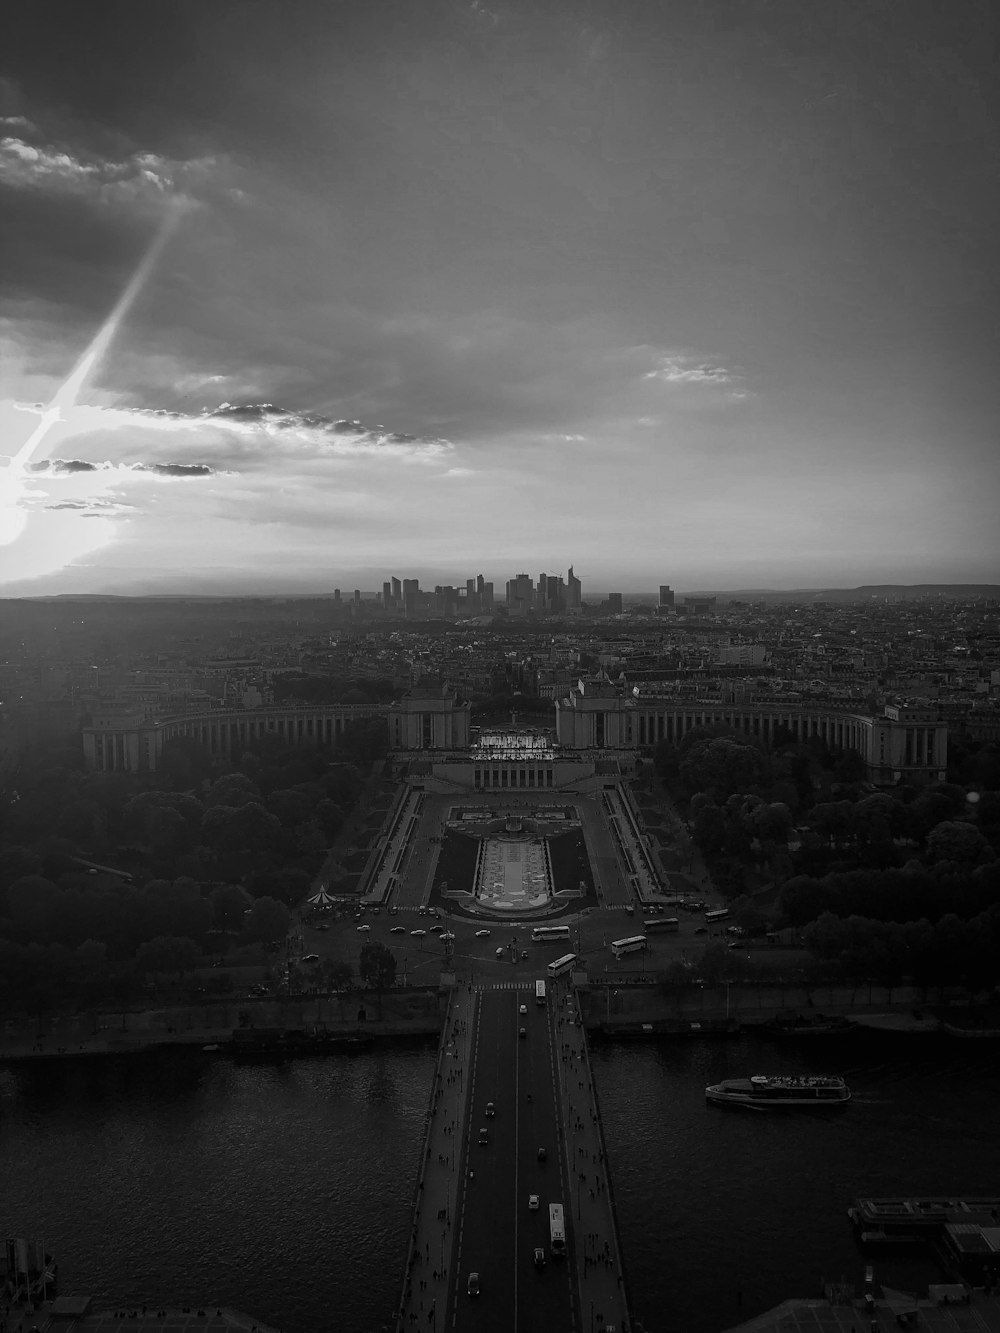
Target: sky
[296, 295]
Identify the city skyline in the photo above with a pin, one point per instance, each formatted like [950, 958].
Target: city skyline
[701, 294]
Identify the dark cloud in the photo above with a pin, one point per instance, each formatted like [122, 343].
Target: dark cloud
[63, 466]
[175, 469]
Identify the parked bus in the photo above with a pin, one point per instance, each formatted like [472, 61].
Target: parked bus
[719, 914]
[541, 934]
[664, 925]
[557, 1230]
[631, 945]
[539, 992]
[561, 965]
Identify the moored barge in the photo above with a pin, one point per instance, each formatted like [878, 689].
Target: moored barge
[918, 1221]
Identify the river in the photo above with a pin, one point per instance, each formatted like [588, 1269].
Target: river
[285, 1189]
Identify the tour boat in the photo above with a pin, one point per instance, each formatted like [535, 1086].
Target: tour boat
[776, 1091]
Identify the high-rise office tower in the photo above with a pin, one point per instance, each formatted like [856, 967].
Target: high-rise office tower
[574, 591]
[615, 603]
[666, 597]
[397, 591]
[520, 595]
[386, 595]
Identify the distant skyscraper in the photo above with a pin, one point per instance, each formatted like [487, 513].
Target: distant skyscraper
[386, 594]
[574, 592]
[411, 595]
[666, 597]
[520, 595]
[397, 591]
[336, 594]
[615, 603]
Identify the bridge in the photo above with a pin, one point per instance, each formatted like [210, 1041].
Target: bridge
[513, 1116]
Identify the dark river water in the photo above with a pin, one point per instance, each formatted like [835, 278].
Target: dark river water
[285, 1190]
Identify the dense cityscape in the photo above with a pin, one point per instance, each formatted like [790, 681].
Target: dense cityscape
[208, 804]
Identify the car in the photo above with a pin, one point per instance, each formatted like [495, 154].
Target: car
[481, 934]
[375, 910]
[446, 935]
[472, 1286]
[523, 1009]
[323, 925]
[524, 955]
[311, 958]
[437, 914]
[533, 1202]
[418, 934]
[629, 908]
[542, 1154]
[522, 1032]
[397, 930]
[421, 911]
[394, 911]
[539, 1257]
[490, 1109]
[360, 928]
[500, 953]
[484, 1138]
[436, 929]
[701, 930]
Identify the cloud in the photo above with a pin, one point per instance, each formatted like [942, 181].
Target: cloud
[139, 177]
[175, 469]
[64, 467]
[684, 370]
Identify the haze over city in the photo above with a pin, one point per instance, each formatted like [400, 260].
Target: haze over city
[306, 296]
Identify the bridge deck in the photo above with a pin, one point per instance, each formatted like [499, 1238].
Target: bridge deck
[472, 1205]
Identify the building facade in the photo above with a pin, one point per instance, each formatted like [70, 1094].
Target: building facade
[906, 743]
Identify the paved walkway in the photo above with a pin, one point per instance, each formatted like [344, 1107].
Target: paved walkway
[424, 1300]
[603, 1300]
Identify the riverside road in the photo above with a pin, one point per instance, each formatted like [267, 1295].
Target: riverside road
[473, 1214]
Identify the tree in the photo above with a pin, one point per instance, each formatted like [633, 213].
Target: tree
[377, 967]
[338, 976]
[232, 789]
[230, 902]
[167, 954]
[954, 840]
[292, 806]
[722, 767]
[268, 921]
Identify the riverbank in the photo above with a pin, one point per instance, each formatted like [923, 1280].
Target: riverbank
[625, 1012]
[299, 1026]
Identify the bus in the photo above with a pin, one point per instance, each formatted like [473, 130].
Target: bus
[557, 1230]
[719, 914]
[561, 965]
[539, 992]
[663, 925]
[631, 945]
[542, 934]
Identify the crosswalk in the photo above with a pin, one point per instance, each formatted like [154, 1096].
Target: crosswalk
[508, 985]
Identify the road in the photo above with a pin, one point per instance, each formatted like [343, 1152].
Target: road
[498, 1232]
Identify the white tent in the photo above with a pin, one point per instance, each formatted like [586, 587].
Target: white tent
[321, 898]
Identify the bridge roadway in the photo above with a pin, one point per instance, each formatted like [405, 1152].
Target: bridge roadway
[471, 1212]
